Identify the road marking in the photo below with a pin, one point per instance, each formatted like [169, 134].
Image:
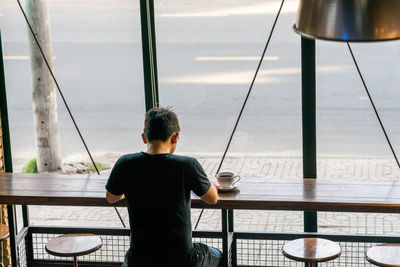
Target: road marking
[18, 58]
[276, 75]
[235, 58]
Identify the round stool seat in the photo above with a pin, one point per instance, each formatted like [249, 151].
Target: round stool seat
[311, 250]
[73, 245]
[4, 233]
[384, 255]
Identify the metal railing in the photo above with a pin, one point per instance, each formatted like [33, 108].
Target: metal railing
[248, 248]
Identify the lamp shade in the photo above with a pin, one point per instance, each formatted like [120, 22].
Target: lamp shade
[349, 20]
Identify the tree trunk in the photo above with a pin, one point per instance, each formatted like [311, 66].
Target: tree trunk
[47, 137]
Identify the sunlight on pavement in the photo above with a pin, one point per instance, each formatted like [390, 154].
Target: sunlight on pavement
[271, 7]
[243, 77]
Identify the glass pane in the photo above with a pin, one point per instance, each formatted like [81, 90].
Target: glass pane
[347, 125]
[98, 64]
[208, 53]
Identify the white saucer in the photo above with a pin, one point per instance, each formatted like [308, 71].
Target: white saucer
[228, 189]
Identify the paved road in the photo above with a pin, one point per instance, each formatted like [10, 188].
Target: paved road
[207, 52]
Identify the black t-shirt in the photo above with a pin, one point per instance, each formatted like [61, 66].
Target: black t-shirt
[157, 189]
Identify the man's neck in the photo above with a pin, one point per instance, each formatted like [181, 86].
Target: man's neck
[158, 147]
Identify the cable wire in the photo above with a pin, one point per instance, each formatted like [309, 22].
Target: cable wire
[63, 98]
[373, 105]
[245, 101]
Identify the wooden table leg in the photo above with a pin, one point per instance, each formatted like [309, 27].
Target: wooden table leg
[75, 262]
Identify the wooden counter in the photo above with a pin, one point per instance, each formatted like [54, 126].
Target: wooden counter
[253, 193]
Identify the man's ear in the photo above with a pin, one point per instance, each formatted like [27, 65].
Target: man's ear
[144, 138]
[174, 138]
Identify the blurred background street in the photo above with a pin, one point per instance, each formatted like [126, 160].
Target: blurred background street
[207, 54]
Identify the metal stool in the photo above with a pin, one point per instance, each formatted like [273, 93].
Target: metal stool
[73, 245]
[311, 250]
[4, 233]
[387, 255]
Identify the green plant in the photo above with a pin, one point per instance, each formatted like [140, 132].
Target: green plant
[99, 166]
[31, 166]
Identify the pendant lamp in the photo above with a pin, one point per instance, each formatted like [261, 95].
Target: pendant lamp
[349, 20]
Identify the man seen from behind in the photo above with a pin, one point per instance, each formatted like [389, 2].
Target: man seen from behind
[157, 186]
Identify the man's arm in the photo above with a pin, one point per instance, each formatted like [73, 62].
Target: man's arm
[115, 182]
[200, 184]
[211, 197]
[111, 198]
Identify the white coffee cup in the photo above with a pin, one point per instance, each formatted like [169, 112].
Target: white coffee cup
[227, 179]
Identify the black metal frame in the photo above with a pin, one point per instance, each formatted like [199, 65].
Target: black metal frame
[4, 116]
[233, 237]
[309, 122]
[98, 231]
[149, 53]
[6, 146]
[308, 101]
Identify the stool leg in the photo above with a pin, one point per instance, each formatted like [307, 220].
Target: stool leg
[75, 262]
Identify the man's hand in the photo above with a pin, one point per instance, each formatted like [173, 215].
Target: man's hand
[113, 198]
[216, 184]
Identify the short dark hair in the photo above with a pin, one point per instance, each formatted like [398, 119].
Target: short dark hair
[160, 124]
